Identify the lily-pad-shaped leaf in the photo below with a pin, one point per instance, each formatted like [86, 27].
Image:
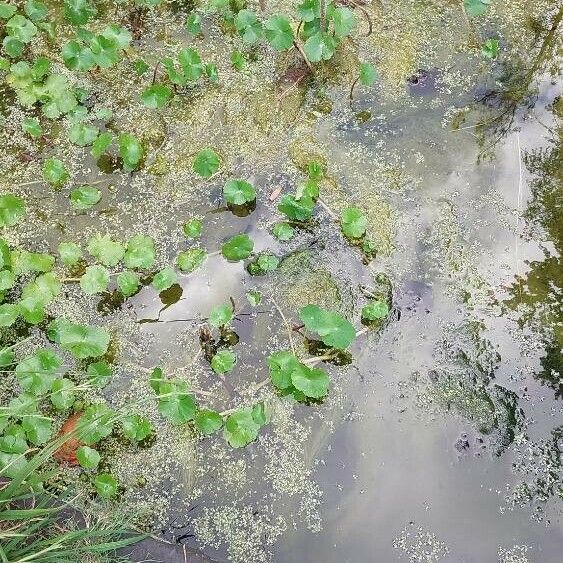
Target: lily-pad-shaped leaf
[136, 427]
[368, 74]
[476, 8]
[14, 440]
[333, 329]
[223, 361]
[164, 279]
[12, 210]
[238, 248]
[353, 223]
[35, 10]
[375, 310]
[94, 280]
[208, 421]
[309, 10]
[140, 252]
[239, 192]
[9, 312]
[78, 12]
[55, 172]
[263, 264]
[32, 127]
[312, 382]
[101, 144]
[254, 297]
[221, 315]
[193, 228]
[83, 134]
[87, 457]
[240, 428]
[191, 259]
[84, 197]
[130, 150]
[128, 283]
[62, 394]
[343, 20]
[248, 26]
[297, 209]
[106, 485]
[281, 366]
[25, 262]
[38, 429]
[37, 372]
[279, 33]
[175, 403]
[283, 231]
[206, 163]
[99, 373]
[95, 424]
[190, 61]
[491, 48]
[20, 28]
[82, 341]
[193, 24]
[107, 251]
[320, 46]
[156, 96]
[7, 10]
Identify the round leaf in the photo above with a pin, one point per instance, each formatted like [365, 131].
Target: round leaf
[87, 457]
[220, 315]
[84, 197]
[191, 259]
[156, 96]
[312, 382]
[94, 280]
[237, 248]
[206, 163]
[353, 222]
[106, 485]
[279, 33]
[238, 192]
[12, 210]
[333, 329]
[223, 361]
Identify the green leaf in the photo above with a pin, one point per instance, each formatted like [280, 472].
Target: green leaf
[37, 11]
[9, 312]
[43, 289]
[55, 172]
[5, 255]
[156, 96]
[476, 8]
[82, 341]
[308, 190]
[281, 366]
[221, 315]
[106, 485]
[320, 46]
[57, 96]
[130, 151]
[237, 248]
[309, 10]
[238, 192]
[491, 48]
[136, 427]
[193, 228]
[13, 441]
[279, 33]
[87, 457]
[375, 310]
[12, 210]
[37, 372]
[164, 279]
[208, 421]
[344, 21]
[312, 382]
[140, 67]
[94, 280]
[206, 163]
[212, 72]
[368, 74]
[333, 329]
[7, 357]
[254, 297]
[156, 378]
[7, 10]
[70, 253]
[248, 26]
[78, 12]
[99, 373]
[241, 428]
[105, 250]
[95, 424]
[223, 361]
[82, 134]
[193, 24]
[84, 197]
[62, 394]
[238, 60]
[140, 252]
[100, 145]
[353, 223]
[190, 61]
[20, 28]
[263, 264]
[175, 404]
[283, 231]
[128, 283]
[32, 127]
[77, 57]
[191, 259]
[12, 46]
[25, 262]
[297, 209]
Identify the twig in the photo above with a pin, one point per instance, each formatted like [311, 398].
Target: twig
[302, 52]
[287, 326]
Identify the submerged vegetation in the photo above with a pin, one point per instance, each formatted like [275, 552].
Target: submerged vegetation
[158, 152]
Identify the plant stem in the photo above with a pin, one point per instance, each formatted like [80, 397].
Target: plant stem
[302, 52]
[352, 89]
[287, 325]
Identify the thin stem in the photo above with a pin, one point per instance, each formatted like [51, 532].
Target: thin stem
[287, 325]
[302, 52]
[352, 89]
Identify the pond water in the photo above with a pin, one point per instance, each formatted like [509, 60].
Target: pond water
[442, 440]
